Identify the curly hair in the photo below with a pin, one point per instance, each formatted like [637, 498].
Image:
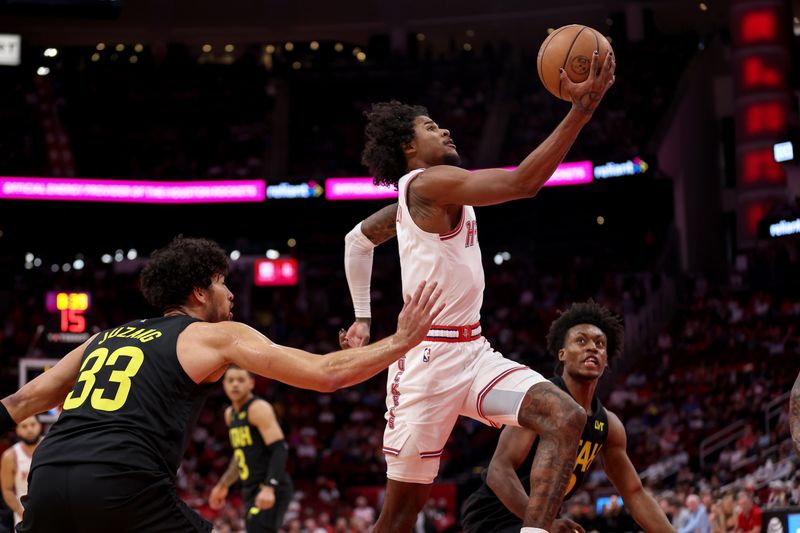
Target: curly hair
[175, 270]
[390, 127]
[587, 313]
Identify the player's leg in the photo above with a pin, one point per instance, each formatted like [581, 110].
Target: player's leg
[47, 504]
[425, 391]
[505, 392]
[133, 501]
[559, 422]
[401, 505]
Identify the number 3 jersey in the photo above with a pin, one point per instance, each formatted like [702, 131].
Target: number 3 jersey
[251, 454]
[132, 404]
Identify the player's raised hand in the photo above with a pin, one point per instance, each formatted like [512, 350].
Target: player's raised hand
[356, 335]
[587, 94]
[417, 315]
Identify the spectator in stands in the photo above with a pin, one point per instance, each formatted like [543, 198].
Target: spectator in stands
[749, 520]
[723, 515]
[698, 516]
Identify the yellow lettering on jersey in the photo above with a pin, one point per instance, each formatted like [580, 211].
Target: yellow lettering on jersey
[240, 437]
[599, 425]
[129, 332]
[586, 454]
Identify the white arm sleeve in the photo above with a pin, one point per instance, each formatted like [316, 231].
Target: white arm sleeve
[358, 252]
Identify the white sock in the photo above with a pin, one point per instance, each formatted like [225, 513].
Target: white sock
[532, 530]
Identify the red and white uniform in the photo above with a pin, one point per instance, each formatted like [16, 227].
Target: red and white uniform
[21, 475]
[451, 372]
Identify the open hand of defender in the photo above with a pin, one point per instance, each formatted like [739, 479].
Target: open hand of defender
[417, 315]
[587, 94]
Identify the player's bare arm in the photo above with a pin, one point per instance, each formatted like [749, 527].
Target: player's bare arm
[210, 347]
[513, 447]
[8, 468]
[447, 185]
[48, 389]
[622, 474]
[380, 226]
[216, 499]
[794, 413]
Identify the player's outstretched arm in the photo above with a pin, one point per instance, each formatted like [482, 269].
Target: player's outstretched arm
[445, 185]
[794, 414]
[623, 476]
[359, 245]
[512, 449]
[46, 390]
[214, 346]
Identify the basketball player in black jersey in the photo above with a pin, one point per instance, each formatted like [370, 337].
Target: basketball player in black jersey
[131, 395]
[582, 338]
[259, 456]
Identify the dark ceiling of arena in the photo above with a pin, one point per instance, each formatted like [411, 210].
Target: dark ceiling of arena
[43, 21]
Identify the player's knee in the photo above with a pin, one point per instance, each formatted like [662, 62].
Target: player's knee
[552, 413]
[572, 421]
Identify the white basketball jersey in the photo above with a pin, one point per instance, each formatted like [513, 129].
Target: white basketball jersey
[453, 259]
[21, 476]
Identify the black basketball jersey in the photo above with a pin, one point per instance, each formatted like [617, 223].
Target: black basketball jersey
[133, 405]
[250, 452]
[484, 512]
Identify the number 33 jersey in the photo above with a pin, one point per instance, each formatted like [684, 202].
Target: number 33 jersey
[132, 404]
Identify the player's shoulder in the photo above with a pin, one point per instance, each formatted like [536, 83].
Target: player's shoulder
[260, 410]
[9, 454]
[445, 172]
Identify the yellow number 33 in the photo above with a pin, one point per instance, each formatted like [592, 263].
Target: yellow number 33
[92, 365]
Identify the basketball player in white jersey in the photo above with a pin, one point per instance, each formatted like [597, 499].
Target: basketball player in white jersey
[16, 463]
[454, 371]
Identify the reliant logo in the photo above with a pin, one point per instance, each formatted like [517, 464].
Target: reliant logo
[615, 170]
[285, 190]
[779, 229]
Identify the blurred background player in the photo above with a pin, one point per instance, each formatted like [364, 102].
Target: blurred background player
[455, 371]
[131, 395]
[16, 463]
[259, 456]
[583, 339]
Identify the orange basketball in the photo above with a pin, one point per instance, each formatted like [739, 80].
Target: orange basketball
[571, 48]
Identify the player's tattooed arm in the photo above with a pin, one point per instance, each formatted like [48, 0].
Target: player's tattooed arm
[380, 227]
[231, 474]
[794, 413]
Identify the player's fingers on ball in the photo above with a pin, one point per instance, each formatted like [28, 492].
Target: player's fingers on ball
[593, 68]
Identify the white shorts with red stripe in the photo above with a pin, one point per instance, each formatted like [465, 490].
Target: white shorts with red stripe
[431, 386]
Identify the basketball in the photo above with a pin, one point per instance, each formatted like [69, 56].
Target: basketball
[569, 47]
